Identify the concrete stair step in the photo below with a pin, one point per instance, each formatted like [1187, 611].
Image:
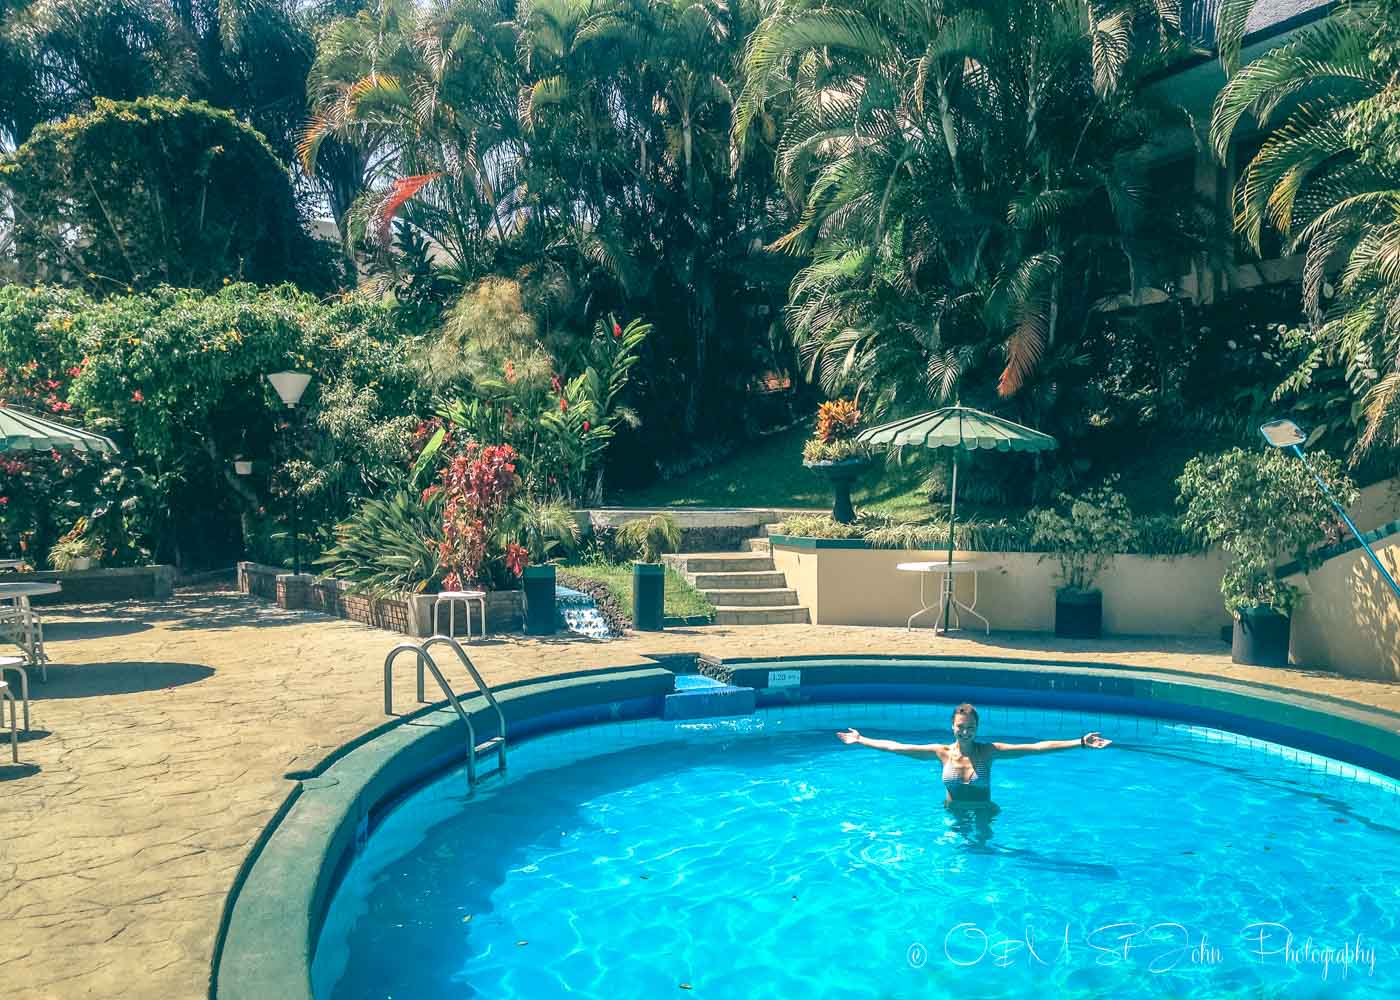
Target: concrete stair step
[761, 616]
[720, 562]
[759, 597]
[737, 581]
[759, 545]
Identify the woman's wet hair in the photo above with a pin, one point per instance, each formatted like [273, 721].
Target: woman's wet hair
[965, 709]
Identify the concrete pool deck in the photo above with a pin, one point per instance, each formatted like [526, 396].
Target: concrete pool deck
[163, 736]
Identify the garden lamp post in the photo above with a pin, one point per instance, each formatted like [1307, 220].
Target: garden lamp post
[290, 386]
[1284, 433]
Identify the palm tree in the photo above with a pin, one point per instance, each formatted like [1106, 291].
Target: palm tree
[1327, 180]
[959, 170]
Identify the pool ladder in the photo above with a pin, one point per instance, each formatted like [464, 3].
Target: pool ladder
[495, 744]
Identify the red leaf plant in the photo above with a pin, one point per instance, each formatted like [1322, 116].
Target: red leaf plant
[479, 485]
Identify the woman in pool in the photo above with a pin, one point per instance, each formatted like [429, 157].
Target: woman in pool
[967, 764]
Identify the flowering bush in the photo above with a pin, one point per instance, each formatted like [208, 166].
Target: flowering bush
[560, 425]
[480, 485]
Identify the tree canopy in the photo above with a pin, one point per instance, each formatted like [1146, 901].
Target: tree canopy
[150, 192]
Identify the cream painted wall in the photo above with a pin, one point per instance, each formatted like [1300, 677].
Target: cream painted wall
[1349, 621]
[1378, 504]
[1142, 595]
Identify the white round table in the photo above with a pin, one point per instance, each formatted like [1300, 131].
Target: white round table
[26, 629]
[949, 572]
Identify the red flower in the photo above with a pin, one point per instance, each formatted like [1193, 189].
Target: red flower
[516, 559]
[617, 330]
[75, 371]
[136, 397]
[555, 384]
[563, 405]
[585, 427]
[429, 493]
[4, 500]
[510, 371]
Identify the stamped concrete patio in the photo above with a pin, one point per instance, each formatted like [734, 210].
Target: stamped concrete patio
[162, 739]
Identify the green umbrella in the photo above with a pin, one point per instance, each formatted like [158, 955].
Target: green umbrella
[957, 428]
[24, 431]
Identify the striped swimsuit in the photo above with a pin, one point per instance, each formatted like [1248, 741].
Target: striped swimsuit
[979, 789]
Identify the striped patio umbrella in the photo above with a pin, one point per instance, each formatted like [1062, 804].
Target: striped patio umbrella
[958, 429]
[21, 430]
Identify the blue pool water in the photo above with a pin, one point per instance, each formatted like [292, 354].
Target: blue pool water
[760, 859]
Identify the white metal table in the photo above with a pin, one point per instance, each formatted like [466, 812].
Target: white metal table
[26, 630]
[948, 572]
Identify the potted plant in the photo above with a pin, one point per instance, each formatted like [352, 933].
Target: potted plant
[648, 539]
[1092, 528]
[834, 452]
[543, 528]
[1262, 508]
[75, 551]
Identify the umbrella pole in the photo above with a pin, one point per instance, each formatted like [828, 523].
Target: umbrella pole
[952, 525]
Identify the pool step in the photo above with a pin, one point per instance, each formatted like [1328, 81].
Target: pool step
[698, 697]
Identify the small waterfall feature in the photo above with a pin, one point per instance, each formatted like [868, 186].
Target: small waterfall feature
[580, 614]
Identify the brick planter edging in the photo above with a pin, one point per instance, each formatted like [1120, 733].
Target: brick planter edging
[410, 614]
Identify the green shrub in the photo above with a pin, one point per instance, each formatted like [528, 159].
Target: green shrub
[1162, 535]
[1261, 508]
[815, 451]
[1091, 529]
[546, 529]
[390, 546]
[647, 539]
[821, 526]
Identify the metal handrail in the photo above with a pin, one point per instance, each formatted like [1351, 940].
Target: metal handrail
[425, 659]
[480, 684]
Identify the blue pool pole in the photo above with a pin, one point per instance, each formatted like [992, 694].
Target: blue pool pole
[1298, 450]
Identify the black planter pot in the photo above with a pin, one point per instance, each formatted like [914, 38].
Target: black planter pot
[648, 596]
[1078, 614]
[1261, 638]
[539, 600]
[841, 475]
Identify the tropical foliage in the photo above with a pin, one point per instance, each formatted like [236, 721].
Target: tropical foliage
[1327, 178]
[960, 172]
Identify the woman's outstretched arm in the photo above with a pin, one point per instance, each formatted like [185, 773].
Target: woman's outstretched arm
[921, 751]
[1091, 741]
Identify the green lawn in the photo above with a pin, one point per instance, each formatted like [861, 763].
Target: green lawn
[682, 600]
[769, 473]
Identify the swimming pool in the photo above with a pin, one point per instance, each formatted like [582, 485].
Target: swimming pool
[760, 858]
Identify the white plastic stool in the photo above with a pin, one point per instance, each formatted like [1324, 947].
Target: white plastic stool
[466, 597]
[14, 731]
[17, 664]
